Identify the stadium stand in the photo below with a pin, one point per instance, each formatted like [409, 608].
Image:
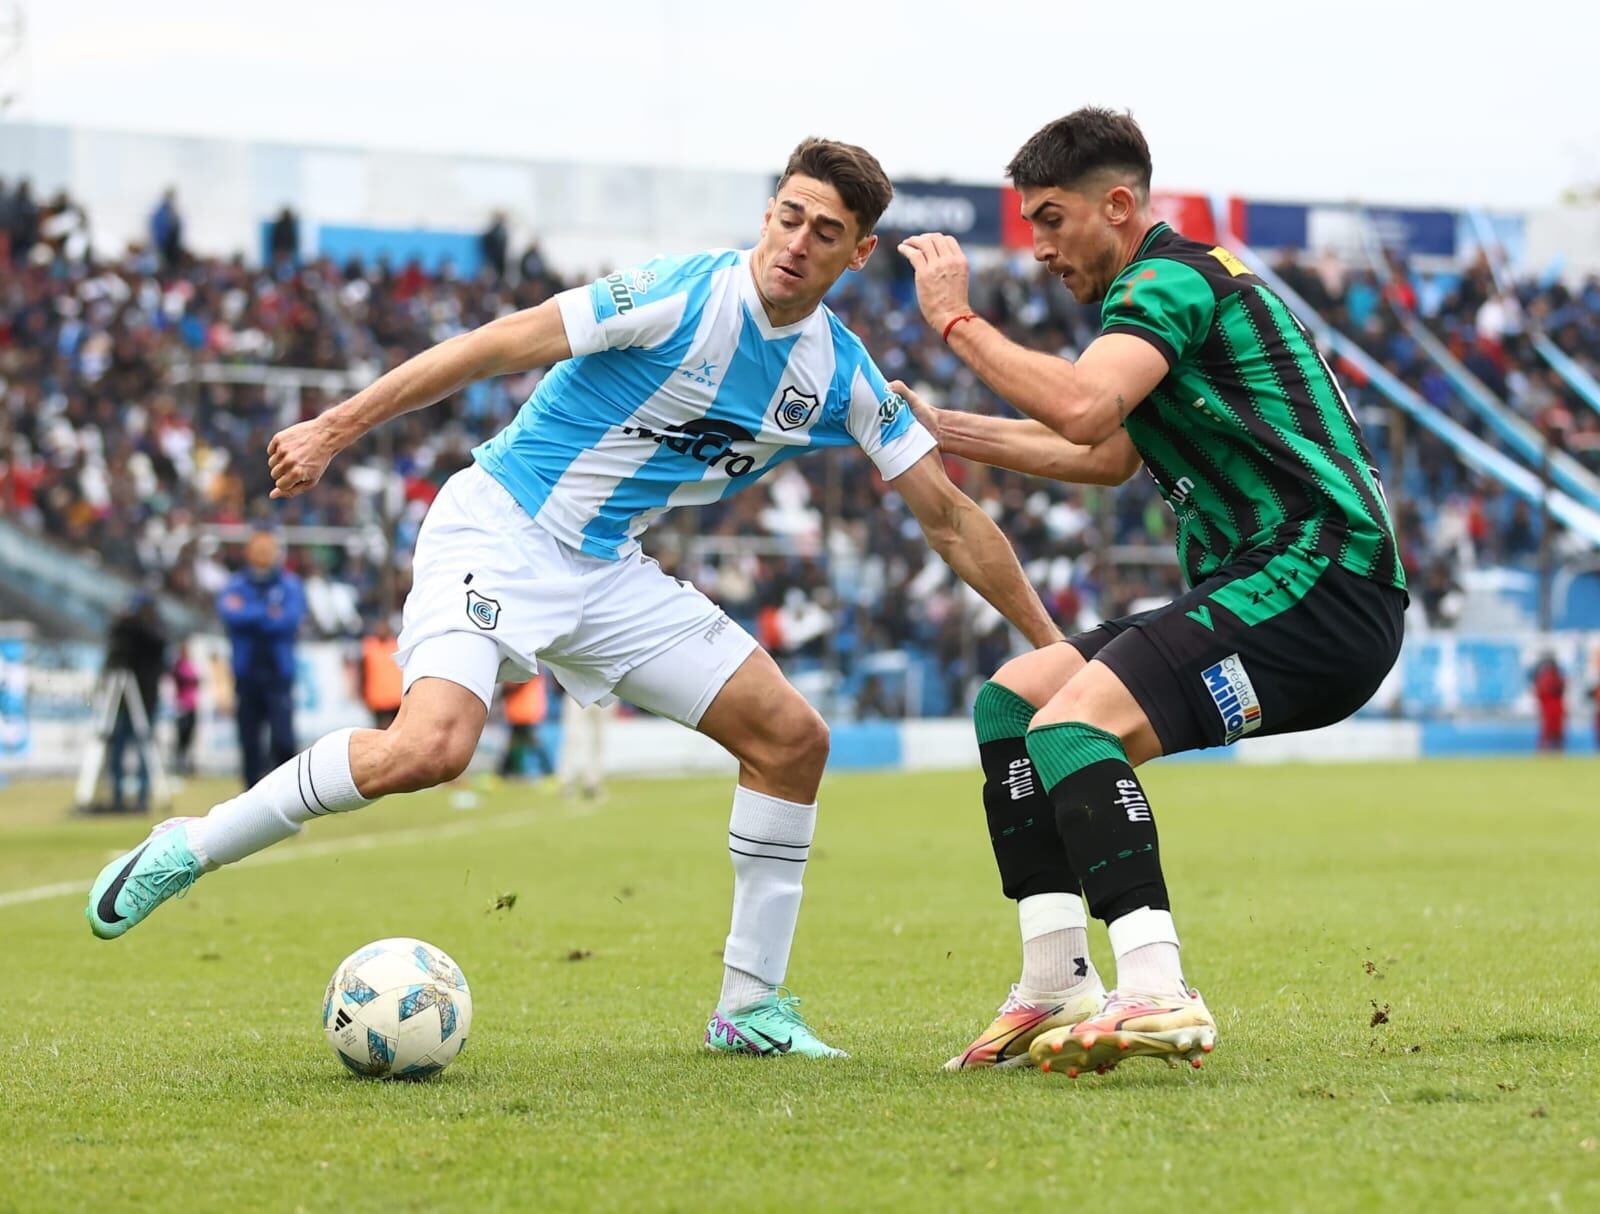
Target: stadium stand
[138, 398]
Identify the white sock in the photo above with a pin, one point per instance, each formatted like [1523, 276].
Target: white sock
[1055, 944]
[769, 840]
[1145, 944]
[315, 782]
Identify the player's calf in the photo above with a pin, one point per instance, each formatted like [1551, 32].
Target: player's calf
[429, 743]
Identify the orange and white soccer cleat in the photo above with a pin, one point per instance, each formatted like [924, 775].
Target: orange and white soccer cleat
[1022, 1017]
[1132, 1025]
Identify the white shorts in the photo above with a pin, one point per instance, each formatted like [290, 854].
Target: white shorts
[493, 593]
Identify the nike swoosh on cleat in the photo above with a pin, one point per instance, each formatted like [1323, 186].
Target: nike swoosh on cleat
[1002, 1040]
[1141, 1013]
[782, 1047]
[107, 910]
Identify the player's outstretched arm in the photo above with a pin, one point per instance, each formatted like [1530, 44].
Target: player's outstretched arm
[971, 544]
[534, 337]
[1085, 402]
[1025, 446]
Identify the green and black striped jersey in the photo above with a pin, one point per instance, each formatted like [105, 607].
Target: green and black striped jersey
[1249, 437]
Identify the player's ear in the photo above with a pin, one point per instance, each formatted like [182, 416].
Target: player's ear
[766, 216]
[864, 248]
[1121, 204]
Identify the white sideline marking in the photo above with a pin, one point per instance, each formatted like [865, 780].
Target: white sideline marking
[39, 893]
[310, 851]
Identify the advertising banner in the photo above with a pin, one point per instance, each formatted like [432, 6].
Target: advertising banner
[13, 700]
[1190, 214]
[969, 213]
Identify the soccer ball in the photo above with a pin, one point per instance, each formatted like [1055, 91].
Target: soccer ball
[397, 1009]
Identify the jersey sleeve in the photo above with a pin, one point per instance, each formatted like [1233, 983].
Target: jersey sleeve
[641, 307]
[882, 423]
[1167, 303]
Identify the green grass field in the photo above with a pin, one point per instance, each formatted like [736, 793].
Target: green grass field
[184, 1067]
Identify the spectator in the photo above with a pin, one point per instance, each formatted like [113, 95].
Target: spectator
[137, 646]
[381, 686]
[186, 703]
[166, 231]
[1594, 698]
[330, 603]
[261, 607]
[492, 245]
[525, 707]
[64, 228]
[583, 749]
[875, 701]
[22, 222]
[283, 239]
[1550, 693]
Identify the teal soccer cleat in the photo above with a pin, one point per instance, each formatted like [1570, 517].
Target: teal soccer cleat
[767, 1029]
[137, 882]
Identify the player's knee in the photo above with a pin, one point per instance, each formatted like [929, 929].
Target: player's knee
[428, 754]
[796, 739]
[1039, 674]
[1078, 702]
[812, 739]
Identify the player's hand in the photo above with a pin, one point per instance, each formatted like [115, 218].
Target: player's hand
[941, 270]
[929, 416]
[297, 457]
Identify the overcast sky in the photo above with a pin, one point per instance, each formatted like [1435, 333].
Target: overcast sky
[1401, 100]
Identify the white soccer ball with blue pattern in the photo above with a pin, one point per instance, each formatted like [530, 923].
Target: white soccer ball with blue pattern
[397, 1009]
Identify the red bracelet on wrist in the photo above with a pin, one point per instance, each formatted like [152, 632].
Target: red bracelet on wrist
[964, 316]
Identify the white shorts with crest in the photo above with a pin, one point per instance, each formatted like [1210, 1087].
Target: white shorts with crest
[493, 592]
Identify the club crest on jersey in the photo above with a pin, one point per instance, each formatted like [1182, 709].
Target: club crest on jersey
[482, 610]
[794, 408]
[1234, 696]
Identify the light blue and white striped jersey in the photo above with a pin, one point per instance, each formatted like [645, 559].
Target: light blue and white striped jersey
[681, 392]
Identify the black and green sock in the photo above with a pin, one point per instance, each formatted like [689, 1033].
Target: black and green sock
[1022, 824]
[1102, 817]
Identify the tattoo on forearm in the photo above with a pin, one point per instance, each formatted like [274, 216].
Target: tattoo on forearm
[1122, 409]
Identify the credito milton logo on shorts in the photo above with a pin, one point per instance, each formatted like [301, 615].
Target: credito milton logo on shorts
[1234, 697]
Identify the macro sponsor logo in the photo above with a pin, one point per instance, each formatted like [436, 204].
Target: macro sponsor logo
[889, 408]
[705, 440]
[1234, 696]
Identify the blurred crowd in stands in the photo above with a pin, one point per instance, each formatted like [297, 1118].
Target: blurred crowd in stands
[120, 434]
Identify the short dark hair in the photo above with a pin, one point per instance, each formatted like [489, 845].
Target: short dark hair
[853, 171]
[1086, 141]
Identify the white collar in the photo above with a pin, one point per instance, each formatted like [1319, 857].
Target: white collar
[758, 310]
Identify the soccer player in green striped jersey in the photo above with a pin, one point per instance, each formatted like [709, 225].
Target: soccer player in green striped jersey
[1296, 594]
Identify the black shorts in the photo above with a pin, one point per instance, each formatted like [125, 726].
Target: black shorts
[1280, 641]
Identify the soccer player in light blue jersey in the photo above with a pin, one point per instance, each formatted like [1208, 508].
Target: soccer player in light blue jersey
[676, 383]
